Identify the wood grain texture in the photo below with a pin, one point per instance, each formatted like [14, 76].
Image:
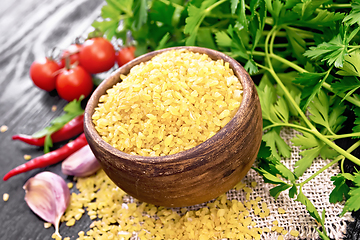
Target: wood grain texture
[28, 30]
[189, 177]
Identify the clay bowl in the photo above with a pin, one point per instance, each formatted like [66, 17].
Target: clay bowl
[189, 177]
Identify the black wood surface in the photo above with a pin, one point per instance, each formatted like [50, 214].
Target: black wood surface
[28, 30]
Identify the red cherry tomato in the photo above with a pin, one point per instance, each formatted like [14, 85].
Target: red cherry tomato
[72, 52]
[125, 55]
[43, 73]
[74, 82]
[97, 55]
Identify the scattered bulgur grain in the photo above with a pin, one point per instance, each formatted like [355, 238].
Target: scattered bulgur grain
[239, 186]
[56, 236]
[47, 225]
[294, 233]
[6, 197]
[71, 222]
[27, 157]
[281, 210]
[3, 128]
[119, 216]
[70, 185]
[53, 108]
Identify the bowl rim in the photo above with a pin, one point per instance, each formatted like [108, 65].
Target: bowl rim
[93, 101]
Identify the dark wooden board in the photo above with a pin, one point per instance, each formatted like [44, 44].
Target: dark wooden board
[28, 30]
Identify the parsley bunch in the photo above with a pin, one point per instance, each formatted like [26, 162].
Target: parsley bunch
[303, 56]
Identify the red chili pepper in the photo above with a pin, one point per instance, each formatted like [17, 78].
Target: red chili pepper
[69, 130]
[49, 158]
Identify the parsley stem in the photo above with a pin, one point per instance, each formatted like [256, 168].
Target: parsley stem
[214, 5]
[291, 125]
[181, 8]
[321, 170]
[336, 136]
[270, 38]
[338, 158]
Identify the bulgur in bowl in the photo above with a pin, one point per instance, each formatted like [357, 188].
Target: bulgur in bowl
[176, 127]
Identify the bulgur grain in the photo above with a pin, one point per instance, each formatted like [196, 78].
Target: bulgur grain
[6, 197]
[70, 185]
[177, 98]
[3, 128]
[47, 225]
[281, 210]
[294, 233]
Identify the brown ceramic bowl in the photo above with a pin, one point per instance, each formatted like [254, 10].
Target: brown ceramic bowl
[189, 177]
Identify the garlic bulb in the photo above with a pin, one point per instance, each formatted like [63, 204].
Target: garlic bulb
[48, 196]
[81, 163]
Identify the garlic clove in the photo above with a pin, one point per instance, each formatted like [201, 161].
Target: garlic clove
[48, 196]
[82, 163]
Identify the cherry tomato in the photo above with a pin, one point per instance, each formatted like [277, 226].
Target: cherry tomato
[43, 73]
[74, 82]
[97, 55]
[73, 52]
[125, 55]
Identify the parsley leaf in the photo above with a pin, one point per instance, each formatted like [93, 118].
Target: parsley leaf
[195, 18]
[335, 50]
[354, 15]
[234, 5]
[272, 164]
[274, 8]
[314, 147]
[351, 65]
[310, 207]
[72, 110]
[325, 18]
[297, 43]
[223, 39]
[270, 178]
[276, 143]
[112, 13]
[312, 83]
[140, 14]
[319, 110]
[352, 203]
[356, 128]
[341, 189]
